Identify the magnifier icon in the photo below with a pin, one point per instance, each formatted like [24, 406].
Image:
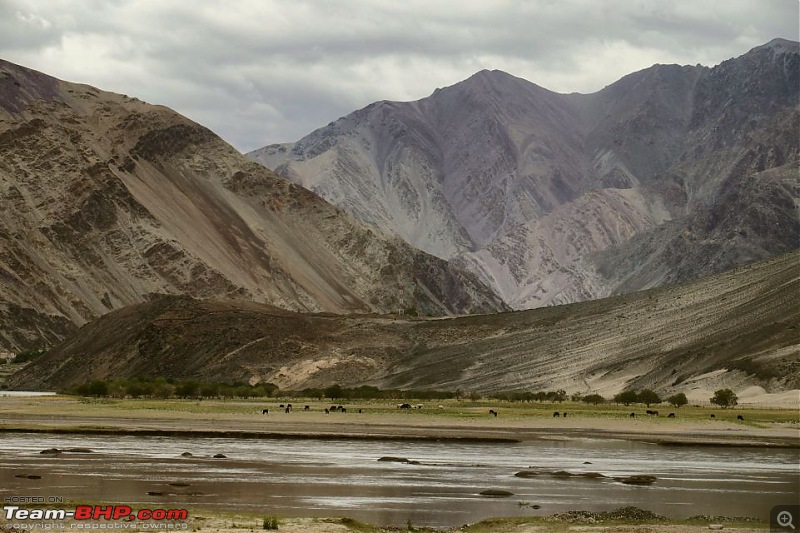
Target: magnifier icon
[784, 519]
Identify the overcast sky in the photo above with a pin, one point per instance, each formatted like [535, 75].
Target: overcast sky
[264, 71]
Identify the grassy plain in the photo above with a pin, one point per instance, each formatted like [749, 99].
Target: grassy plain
[383, 419]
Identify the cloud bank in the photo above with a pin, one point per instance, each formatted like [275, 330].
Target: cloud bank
[264, 71]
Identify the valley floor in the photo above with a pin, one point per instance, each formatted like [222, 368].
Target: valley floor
[437, 420]
[383, 420]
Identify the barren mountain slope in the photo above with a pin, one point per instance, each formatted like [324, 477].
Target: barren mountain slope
[524, 187]
[738, 329]
[105, 200]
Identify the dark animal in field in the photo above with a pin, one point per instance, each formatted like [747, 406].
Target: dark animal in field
[281, 406]
[307, 408]
[713, 415]
[556, 414]
[360, 411]
[287, 410]
[632, 415]
[739, 417]
[265, 411]
[332, 407]
[326, 411]
[671, 415]
[564, 415]
[651, 412]
[342, 409]
[492, 412]
[404, 406]
[288, 406]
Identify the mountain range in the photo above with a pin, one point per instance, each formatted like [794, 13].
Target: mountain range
[106, 201]
[667, 175]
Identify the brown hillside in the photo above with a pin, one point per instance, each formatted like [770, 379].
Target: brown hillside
[105, 199]
[738, 329]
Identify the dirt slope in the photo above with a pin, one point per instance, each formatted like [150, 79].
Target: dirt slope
[105, 200]
[738, 329]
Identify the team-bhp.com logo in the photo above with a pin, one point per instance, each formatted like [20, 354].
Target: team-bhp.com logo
[114, 513]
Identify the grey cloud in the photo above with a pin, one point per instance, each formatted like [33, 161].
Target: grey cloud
[265, 71]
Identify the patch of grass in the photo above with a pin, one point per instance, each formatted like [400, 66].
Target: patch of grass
[270, 522]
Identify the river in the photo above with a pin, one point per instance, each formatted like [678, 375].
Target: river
[309, 477]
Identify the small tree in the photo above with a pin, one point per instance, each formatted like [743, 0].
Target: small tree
[594, 399]
[724, 398]
[678, 400]
[626, 397]
[646, 396]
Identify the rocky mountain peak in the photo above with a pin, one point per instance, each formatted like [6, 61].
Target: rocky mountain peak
[525, 186]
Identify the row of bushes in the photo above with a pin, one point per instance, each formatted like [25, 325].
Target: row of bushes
[169, 388]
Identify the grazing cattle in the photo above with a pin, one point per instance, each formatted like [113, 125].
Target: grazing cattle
[492, 412]
[441, 407]
[332, 408]
[360, 411]
[326, 411]
[651, 412]
[556, 414]
[632, 415]
[418, 406]
[288, 406]
[265, 411]
[565, 414]
[281, 406]
[287, 410]
[342, 409]
[671, 415]
[307, 408]
[404, 406]
[713, 415]
[739, 417]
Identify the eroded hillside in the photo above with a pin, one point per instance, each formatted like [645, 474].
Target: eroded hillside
[106, 200]
[736, 329]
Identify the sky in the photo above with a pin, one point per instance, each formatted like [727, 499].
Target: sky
[259, 72]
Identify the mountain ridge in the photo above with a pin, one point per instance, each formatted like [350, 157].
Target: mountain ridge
[738, 329]
[480, 173]
[107, 200]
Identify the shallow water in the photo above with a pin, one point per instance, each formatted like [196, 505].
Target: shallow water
[301, 477]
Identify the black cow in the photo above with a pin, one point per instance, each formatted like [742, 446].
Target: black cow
[671, 415]
[265, 411]
[632, 415]
[650, 412]
[739, 417]
[492, 412]
[713, 415]
[556, 414]
[307, 408]
[564, 414]
[404, 406]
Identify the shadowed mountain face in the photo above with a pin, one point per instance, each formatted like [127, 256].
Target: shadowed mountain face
[672, 173]
[738, 329]
[105, 200]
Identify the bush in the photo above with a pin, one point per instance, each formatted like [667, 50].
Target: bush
[626, 397]
[724, 398]
[593, 399]
[646, 396]
[678, 400]
[29, 355]
[271, 522]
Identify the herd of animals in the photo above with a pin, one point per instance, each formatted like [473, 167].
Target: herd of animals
[287, 408]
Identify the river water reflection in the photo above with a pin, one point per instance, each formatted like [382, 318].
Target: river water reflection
[302, 477]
